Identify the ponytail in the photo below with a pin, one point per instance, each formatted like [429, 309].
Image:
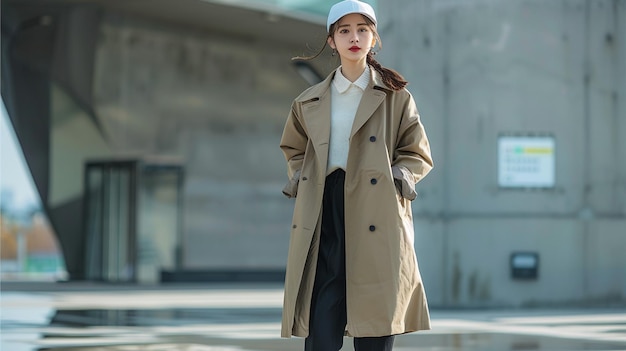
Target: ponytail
[391, 78]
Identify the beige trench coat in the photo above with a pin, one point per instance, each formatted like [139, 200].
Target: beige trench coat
[389, 152]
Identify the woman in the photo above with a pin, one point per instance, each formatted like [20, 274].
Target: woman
[355, 148]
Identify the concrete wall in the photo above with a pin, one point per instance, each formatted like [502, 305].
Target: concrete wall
[218, 102]
[479, 69]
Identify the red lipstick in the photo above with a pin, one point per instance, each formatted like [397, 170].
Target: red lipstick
[355, 48]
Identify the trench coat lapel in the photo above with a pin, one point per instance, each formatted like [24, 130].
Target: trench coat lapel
[372, 98]
[316, 111]
[317, 118]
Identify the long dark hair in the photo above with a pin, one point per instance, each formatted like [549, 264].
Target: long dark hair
[391, 78]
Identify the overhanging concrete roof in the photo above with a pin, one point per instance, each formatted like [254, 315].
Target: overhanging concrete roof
[250, 19]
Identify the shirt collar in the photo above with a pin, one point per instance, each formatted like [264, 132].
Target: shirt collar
[342, 83]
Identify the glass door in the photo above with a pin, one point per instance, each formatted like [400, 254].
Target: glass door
[110, 221]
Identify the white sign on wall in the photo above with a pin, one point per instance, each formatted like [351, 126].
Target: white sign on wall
[526, 161]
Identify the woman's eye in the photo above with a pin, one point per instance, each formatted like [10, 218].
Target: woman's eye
[343, 31]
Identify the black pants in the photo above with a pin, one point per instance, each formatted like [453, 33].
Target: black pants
[328, 306]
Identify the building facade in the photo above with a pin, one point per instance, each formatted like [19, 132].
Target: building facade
[522, 102]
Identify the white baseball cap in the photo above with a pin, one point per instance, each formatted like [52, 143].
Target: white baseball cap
[347, 7]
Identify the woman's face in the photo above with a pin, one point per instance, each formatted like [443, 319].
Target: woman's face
[353, 38]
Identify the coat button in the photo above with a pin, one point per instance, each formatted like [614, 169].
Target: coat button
[373, 181]
[372, 228]
[294, 226]
[305, 178]
[372, 138]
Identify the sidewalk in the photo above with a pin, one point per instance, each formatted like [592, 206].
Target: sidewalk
[229, 317]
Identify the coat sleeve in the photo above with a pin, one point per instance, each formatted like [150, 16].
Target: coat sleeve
[293, 144]
[412, 159]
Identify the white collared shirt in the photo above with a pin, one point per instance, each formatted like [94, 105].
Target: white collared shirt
[345, 99]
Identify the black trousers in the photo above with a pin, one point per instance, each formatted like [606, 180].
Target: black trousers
[328, 306]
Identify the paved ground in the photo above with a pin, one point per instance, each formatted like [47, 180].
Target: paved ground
[240, 317]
